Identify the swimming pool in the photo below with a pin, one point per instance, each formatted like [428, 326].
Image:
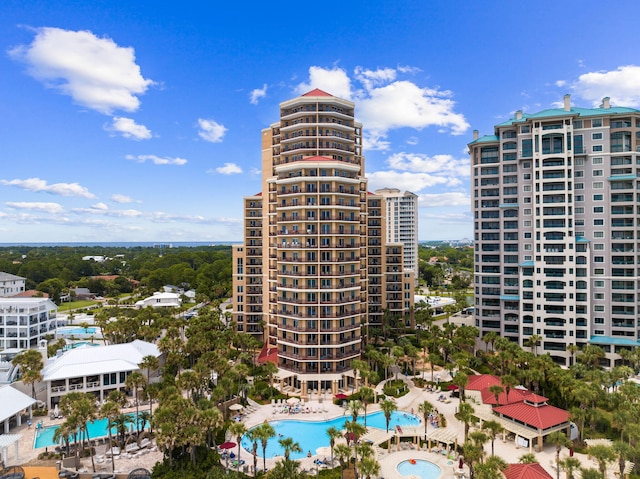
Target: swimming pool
[78, 331]
[313, 434]
[97, 428]
[420, 468]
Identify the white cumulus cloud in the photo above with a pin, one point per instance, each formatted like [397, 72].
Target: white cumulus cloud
[437, 164]
[257, 93]
[621, 85]
[95, 71]
[39, 185]
[386, 102]
[334, 81]
[121, 198]
[211, 130]
[128, 128]
[157, 160]
[229, 169]
[51, 208]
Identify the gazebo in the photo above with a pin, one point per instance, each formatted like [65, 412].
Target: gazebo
[140, 473]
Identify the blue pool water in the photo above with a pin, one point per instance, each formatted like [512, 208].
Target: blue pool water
[421, 468]
[72, 330]
[97, 428]
[313, 434]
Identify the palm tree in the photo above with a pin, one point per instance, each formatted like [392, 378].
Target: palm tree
[496, 390]
[333, 433]
[603, 455]
[528, 458]
[354, 431]
[343, 453]
[237, 430]
[369, 467]
[466, 415]
[426, 408]
[30, 364]
[289, 446]
[560, 440]
[472, 454]
[354, 407]
[533, 343]
[491, 469]
[493, 428]
[253, 436]
[569, 465]
[265, 431]
[134, 381]
[388, 407]
[150, 363]
[366, 397]
[110, 410]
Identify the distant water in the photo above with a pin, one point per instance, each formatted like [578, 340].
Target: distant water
[129, 244]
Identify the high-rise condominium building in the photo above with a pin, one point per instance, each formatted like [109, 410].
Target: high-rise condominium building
[315, 275]
[402, 223]
[556, 207]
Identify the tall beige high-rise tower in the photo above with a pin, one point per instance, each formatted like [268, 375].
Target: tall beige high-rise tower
[315, 276]
[402, 223]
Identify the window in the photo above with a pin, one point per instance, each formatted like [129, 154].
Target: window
[526, 165]
[527, 199]
[598, 247]
[598, 209]
[579, 197]
[596, 136]
[526, 223]
[598, 185]
[579, 186]
[528, 247]
[527, 211]
[527, 235]
[598, 283]
[597, 160]
[598, 259]
[596, 123]
[578, 174]
[596, 148]
[598, 234]
[579, 210]
[525, 129]
[577, 124]
[579, 161]
[598, 222]
[526, 176]
[597, 173]
[597, 197]
[598, 308]
[598, 296]
[526, 188]
[598, 320]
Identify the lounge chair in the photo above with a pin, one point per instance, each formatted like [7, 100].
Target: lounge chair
[145, 442]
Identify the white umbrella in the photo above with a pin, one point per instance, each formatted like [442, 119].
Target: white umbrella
[235, 407]
[292, 401]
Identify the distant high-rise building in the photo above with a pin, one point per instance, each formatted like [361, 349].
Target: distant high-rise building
[402, 223]
[556, 213]
[315, 275]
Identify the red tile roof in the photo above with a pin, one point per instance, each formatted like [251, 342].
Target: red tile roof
[482, 381]
[515, 395]
[317, 158]
[317, 92]
[31, 293]
[526, 471]
[268, 353]
[540, 417]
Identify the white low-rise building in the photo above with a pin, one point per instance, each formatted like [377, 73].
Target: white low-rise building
[94, 369]
[161, 300]
[25, 321]
[10, 284]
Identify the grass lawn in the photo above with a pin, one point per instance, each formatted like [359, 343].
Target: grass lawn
[75, 305]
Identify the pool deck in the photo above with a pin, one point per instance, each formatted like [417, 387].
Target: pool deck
[388, 459]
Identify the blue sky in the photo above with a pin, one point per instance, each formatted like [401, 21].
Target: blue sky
[141, 120]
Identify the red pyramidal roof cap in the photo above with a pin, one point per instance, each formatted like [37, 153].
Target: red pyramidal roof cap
[526, 471]
[317, 92]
